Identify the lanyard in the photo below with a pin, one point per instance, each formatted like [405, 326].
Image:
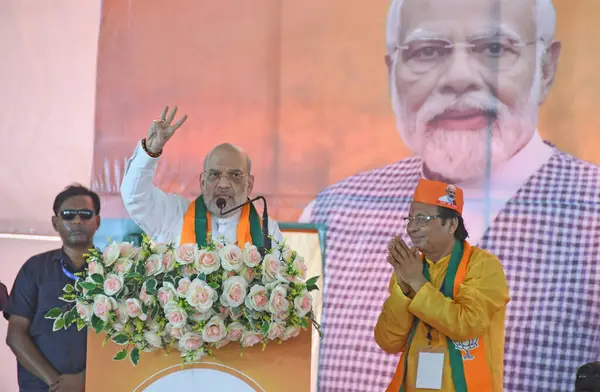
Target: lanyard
[429, 328]
[68, 273]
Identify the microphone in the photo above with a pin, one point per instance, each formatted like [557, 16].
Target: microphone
[221, 203]
[265, 222]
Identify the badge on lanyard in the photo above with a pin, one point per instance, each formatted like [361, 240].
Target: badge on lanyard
[430, 370]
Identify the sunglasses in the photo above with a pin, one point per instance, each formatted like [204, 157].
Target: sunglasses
[69, 215]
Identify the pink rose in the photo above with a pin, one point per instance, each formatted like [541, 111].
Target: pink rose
[127, 250]
[102, 306]
[276, 331]
[113, 284]
[145, 297]
[84, 311]
[166, 294]
[257, 298]
[154, 265]
[177, 332]
[208, 262]
[248, 274]
[168, 261]
[234, 291]
[95, 268]
[291, 332]
[250, 338]
[224, 312]
[121, 312]
[182, 287]
[111, 254]
[134, 308]
[118, 326]
[200, 295]
[176, 316]
[300, 267]
[153, 339]
[222, 343]
[123, 265]
[189, 270]
[231, 258]
[252, 257]
[202, 316]
[159, 248]
[271, 265]
[214, 330]
[288, 255]
[278, 301]
[281, 316]
[187, 254]
[235, 331]
[219, 245]
[190, 341]
[283, 275]
[303, 304]
[152, 325]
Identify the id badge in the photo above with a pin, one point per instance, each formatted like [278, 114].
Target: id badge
[430, 370]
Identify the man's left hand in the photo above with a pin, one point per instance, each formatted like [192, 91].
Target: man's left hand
[409, 263]
[70, 383]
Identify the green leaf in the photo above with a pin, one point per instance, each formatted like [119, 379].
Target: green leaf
[88, 285]
[70, 318]
[214, 285]
[59, 324]
[304, 323]
[151, 286]
[121, 355]
[80, 324]
[98, 278]
[202, 276]
[68, 289]
[134, 355]
[312, 281]
[97, 324]
[265, 329]
[144, 309]
[120, 339]
[154, 314]
[68, 298]
[140, 268]
[96, 291]
[53, 314]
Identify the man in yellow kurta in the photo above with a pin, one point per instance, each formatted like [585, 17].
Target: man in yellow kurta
[447, 302]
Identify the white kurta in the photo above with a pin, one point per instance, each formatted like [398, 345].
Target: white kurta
[160, 214]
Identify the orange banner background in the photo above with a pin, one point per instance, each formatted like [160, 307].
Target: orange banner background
[301, 85]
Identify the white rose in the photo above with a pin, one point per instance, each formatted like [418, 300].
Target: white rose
[154, 265]
[166, 294]
[84, 311]
[202, 316]
[235, 331]
[214, 330]
[113, 284]
[231, 258]
[276, 331]
[278, 302]
[159, 248]
[95, 267]
[257, 298]
[102, 306]
[187, 254]
[291, 332]
[200, 295]
[121, 312]
[127, 250]
[111, 254]
[168, 261]
[234, 291]
[153, 339]
[252, 257]
[270, 266]
[300, 267]
[190, 341]
[176, 316]
[303, 304]
[123, 265]
[182, 287]
[208, 262]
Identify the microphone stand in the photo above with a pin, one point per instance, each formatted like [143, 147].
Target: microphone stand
[265, 222]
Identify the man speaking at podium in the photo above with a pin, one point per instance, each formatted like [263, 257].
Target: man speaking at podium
[225, 183]
[447, 302]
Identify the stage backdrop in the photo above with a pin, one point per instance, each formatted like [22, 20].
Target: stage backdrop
[300, 84]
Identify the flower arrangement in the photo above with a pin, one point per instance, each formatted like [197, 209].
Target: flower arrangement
[190, 298]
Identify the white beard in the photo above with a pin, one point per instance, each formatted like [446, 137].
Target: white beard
[461, 155]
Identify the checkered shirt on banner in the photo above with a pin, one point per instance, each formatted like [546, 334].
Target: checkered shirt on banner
[547, 238]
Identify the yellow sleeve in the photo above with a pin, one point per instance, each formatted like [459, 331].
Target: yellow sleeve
[395, 321]
[483, 292]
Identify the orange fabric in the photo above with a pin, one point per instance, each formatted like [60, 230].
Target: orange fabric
[439, 194]
[188, 232]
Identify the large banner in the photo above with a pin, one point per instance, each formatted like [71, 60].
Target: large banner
[302, 85]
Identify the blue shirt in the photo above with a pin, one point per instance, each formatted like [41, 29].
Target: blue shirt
[37, 289]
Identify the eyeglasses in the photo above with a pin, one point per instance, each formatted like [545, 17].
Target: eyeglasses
[497, 53]
[234, 176]
[420, 220]
[70, 214]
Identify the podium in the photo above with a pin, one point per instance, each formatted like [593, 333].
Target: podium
[291, 366]
[279, 367]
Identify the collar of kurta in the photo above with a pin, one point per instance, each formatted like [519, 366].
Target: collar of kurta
[197, 225]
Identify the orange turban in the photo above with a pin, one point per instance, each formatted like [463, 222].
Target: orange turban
[439, 194]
